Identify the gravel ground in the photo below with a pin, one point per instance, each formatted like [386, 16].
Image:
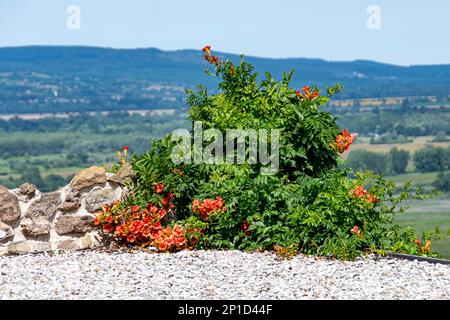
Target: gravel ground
[216, 275]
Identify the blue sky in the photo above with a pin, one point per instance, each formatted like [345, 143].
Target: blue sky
[412, 32]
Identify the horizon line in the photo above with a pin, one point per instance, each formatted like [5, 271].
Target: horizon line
[220, 52]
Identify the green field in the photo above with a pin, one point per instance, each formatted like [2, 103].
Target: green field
[416, 144]
[425, 216]
[418, 179]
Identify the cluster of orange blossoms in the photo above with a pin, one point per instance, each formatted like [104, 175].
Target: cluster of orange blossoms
[360, 192]
[169, 239]
[142, 226]
[245, 226]
[209, 57]
[424, 249]
[208, 207]
[357, 231]
[119, 154]
[307, 94]
[343, 141]
[159, 188]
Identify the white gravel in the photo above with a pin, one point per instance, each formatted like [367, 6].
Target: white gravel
[216, 275]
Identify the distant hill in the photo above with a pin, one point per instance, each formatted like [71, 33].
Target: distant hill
[47, 78]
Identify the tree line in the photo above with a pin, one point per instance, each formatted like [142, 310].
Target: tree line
[428, 159]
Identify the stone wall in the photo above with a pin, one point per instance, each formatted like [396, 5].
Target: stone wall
[32, 221]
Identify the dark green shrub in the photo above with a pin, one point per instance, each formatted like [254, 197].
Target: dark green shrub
[398, 161]
[361, 160]
[431, 159]
[308, 204]
[442, 182]
[441, 136]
